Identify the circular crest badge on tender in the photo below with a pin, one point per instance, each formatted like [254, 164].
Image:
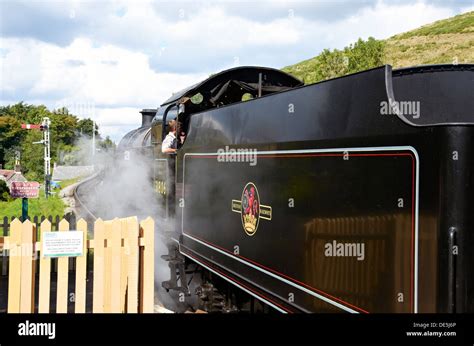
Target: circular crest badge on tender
[250, 211]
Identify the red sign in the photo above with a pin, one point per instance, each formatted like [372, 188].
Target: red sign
[21, 189]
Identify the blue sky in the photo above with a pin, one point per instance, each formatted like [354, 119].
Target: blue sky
[109, 59]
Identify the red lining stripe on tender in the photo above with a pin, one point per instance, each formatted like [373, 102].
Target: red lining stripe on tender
[412, 288]
[239, 282]
[335, 155]
[213, 156]
[284, 275]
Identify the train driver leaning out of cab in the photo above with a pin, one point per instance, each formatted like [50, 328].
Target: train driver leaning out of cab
[169, 144]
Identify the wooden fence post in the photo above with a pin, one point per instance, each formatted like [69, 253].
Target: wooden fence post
[14, 244]
[27, 291]
[98, 289]
[148, 265]
[81, 271]
[5, 252]
[107, 265]
[63, 276]
[72, 226]
[115, 238]
[37, 228]
[35, 221]
[124, 253]
[5, 226]
[54, 261]
[133, 263]
[45, 273]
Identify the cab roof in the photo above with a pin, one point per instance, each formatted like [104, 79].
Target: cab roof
[245, 77]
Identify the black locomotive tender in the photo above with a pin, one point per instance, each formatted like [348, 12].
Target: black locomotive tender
[354, 194]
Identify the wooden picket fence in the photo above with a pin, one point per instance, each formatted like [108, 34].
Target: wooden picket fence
[54, 219]
[5, 227]
[122, 271]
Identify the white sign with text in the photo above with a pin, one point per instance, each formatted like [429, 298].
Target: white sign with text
[63, 244]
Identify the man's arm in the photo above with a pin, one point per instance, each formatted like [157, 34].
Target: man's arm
[169, 150]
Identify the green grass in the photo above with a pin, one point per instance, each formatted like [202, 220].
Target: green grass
[37, 206]
[68, 182]
[458, 24]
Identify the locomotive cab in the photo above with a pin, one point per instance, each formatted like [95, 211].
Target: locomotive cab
[222, 89]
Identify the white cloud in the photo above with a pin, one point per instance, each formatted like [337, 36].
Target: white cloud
[211, 36]
[384, 20]
[18, 66]
[467, 9]
[116, 122]
[121, 59]
[118, 116]
[105, 75]
[87, 79]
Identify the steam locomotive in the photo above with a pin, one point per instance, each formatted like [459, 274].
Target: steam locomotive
[354, 194]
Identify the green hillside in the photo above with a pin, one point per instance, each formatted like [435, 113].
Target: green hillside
[446, 41]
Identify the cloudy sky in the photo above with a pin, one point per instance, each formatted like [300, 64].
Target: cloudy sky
[109, 59]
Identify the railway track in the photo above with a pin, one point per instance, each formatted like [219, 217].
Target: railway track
[80, 192]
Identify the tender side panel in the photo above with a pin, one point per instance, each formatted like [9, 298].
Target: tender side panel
[337, 228]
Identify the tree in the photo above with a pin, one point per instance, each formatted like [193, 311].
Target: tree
[4, 191]
[107, 144]
[364, 55]
[63, 128]
[32, 156]
[11, 135]
[65, 133]
[84, 127]
[361, 55]
[333, 64]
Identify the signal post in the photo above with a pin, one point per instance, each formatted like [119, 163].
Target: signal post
[44, 127]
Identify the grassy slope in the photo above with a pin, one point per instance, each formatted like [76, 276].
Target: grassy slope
[439, 42]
